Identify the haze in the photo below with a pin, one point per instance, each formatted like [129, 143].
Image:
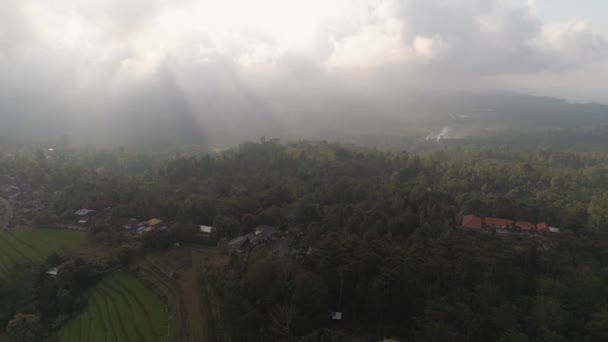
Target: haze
[109, 70]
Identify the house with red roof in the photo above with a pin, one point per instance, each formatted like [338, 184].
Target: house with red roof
[525, 227]
[542, 228]
[497, 223]
[472, 222]
[504, 226]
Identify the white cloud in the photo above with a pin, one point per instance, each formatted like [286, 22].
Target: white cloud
[233, 49]
[373, 45]
[429, 48]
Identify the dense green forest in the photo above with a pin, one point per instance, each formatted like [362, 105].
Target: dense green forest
[371, 234]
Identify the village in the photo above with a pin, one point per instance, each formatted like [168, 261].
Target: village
[504, 226]
[22, 204]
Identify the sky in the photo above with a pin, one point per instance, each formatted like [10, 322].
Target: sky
[102, 60]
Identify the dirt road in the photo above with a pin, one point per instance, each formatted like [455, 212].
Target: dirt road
[182, 294]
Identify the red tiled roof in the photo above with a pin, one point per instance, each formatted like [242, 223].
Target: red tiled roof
[542, 227]
[471, 221]
[525, 226]
[497, 221]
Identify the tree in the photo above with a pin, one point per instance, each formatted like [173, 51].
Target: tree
[598, 212]
[598, 325]
[25, 328]
[222, 246]
[281, 320]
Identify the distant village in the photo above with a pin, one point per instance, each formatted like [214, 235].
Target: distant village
[24, 203]
[504, 226]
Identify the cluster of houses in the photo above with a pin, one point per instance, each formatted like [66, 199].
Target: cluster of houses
[262, 234]
[26, 201]
[103, 211]
[145, 226]
[504, 226]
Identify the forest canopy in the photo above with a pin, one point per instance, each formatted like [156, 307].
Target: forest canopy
[371, 234]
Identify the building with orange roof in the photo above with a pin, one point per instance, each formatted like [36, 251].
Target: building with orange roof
[493, 222]
[525, 227]
[471, 222]
[542, 227]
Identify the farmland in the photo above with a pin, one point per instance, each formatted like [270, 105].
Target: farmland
[120, 308]
[34, 245]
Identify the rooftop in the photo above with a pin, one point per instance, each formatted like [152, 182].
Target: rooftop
[493, 221]
[206, 229]
[154, 221]
[525, 226]
[471, 221]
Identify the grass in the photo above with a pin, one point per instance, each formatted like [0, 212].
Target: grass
[34, 245]
[120, 308]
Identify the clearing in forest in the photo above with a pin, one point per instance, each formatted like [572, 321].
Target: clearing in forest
[120, 308]
[34, 245]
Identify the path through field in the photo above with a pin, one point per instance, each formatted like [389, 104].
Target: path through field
[183, 294]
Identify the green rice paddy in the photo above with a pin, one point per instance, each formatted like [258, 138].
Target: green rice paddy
[120, 308]
[34, 245]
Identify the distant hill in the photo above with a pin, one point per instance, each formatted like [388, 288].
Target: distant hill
[166, 118]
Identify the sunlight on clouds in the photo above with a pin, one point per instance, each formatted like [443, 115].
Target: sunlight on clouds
[374, 44]
[125, 41]
[429, 48]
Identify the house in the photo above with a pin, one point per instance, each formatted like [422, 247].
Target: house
[155, 223]
[57, 270]
[206, 229]
[497, 223]
[240, 242]
[336, 316]
[471, 222]
[525, 227]
[84, 212]
[546, 229]
[53, 271]
[542, 228]
[263, 233]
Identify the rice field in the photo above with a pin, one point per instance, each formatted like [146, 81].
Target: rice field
[120, 308]
[34, 245]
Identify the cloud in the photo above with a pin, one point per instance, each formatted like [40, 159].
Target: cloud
[429, 48]
[135, 37]
[103, 59]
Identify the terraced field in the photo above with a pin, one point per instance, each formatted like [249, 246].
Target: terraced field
[26, 245]
[120, 308]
